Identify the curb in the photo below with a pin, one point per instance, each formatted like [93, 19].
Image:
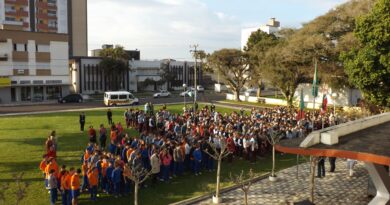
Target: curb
[76, 110]
[223, 190]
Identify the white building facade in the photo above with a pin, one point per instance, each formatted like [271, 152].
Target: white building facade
[145, 75]
[33, 66]
[272, 26]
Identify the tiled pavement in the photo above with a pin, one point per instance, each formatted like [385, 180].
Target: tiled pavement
[335, 189]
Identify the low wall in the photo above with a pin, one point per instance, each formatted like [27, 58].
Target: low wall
[253, 99]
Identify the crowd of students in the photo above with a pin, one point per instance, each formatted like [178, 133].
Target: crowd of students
[169, 144]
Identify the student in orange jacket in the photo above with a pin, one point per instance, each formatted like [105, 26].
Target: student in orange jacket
[104, 165]
[42, 167]
[65, 186]
[93, 176]
[84, 172]
[51, 164]
[75, 186]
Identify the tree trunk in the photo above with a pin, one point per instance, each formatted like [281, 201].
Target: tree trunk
[246, 197]
[238, 95]
[273, 161]
[259, 83]
[136, 194]
[313, 162]
[218, 176]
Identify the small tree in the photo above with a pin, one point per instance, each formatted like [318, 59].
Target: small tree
[273, 139]
[218, 153]
[21, 187]
[3, 188]
[138, 176]
[244, 184]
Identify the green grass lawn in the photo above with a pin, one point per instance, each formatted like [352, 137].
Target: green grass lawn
[22, 141]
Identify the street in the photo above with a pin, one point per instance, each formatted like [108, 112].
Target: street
[202, 97]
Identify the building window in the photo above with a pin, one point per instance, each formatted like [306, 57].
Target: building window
[10, 18]
[38, 93]
[53, 92]
[15, 47]
[25, 47]
[25, 93]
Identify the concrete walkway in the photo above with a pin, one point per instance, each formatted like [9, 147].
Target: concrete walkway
[335, 189]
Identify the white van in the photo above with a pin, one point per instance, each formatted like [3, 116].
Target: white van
[114, 98]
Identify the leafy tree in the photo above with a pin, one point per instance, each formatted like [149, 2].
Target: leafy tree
[368, 67]
[165, 74]
[232, 65]
[258, 44]
[114, 65]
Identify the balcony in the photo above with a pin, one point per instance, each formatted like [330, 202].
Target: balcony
[52, 6]
[17, 2]
[42, 26]
[18, 13]
[42, 5]
[41, 15]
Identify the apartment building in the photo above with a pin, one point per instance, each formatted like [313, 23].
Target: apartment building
[33, 66]
[273, 26]
[36, 39]
[52, 16]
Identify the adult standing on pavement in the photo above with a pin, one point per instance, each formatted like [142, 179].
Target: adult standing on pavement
[82, 121]
[321, 167]
[332, 161]
[109, 116]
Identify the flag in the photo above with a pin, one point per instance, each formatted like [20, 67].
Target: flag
[301, 113]
[324, 104]
[315, 82]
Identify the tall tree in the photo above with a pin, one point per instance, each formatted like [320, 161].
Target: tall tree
[258, 44]
[115, 66]
[368, 67]
[165, 74]
[232, 65]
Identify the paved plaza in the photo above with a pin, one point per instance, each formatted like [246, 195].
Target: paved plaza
[335, 189]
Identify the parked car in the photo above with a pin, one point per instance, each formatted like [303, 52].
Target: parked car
[251, 92]
[162, 93]
[71, 98]
[188, 93]
[200, 88]
[37, 98]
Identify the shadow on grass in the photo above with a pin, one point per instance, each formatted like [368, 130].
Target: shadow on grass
[21, 166]
[11, 180]
[29, 141]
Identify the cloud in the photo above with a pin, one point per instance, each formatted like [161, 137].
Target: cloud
[160, 28]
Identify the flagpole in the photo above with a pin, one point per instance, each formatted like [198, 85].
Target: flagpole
[314, 109]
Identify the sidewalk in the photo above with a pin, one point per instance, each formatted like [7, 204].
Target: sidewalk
[336, 188]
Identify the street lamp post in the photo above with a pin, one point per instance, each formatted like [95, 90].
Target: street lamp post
[195, 51]
[185, 106]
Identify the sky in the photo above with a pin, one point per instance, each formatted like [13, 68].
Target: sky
[166, 28]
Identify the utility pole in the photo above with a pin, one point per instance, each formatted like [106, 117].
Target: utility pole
[195, 51]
